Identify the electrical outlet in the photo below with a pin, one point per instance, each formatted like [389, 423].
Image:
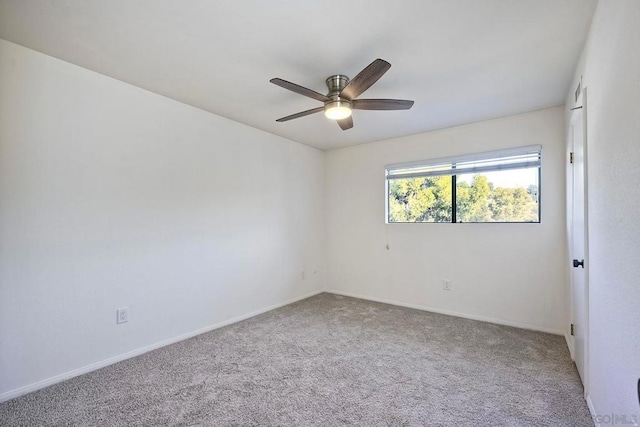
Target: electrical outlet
[122, 315]
[446, 285]
[303, 275]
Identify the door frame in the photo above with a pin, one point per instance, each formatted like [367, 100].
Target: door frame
[581, 103]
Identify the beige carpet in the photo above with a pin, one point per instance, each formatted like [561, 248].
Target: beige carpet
[328, 361]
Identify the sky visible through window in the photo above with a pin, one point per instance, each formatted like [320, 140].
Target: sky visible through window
[508, 178]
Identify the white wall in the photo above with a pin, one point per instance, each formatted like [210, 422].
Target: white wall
[506, 273]
[610, 66]
[113, 196]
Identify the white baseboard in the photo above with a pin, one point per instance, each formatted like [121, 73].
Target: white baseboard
[11, 394]
[591, 409]
[451, 313]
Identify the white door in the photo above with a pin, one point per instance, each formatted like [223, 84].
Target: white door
[578, 241]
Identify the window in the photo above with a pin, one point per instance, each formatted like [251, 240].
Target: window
[500, 186]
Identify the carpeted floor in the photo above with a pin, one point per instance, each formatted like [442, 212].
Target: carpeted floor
[328, 361]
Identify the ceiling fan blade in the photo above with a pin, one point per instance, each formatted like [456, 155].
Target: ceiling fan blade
[300, 90]
[300, 114]
[346, 123]
[381, 104]
[365, 78]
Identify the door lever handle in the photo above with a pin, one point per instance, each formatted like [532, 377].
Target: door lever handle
[577, 263]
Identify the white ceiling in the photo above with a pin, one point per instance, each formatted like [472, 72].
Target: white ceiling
[460, 60]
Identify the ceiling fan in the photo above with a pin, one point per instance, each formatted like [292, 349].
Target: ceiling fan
[340, 100]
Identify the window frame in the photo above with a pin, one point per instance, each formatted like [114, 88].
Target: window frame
[488, 155]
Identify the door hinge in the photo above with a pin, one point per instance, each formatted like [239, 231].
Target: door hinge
[572, 329]
[571, 157]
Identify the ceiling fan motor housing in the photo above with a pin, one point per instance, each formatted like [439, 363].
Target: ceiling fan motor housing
[335, 84]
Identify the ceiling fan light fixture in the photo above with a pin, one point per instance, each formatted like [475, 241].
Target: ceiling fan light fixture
[337, 110]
